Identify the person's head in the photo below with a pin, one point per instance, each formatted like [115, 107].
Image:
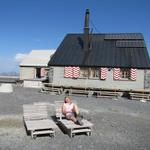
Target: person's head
[67, 99]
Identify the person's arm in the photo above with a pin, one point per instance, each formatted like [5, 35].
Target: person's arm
[63, 109]
[76, 110]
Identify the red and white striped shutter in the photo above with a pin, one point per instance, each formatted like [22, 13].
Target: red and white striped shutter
[43, 72]
[133, 74]
[68, 72]
[76, 72]
[103, 73]
[116, 73]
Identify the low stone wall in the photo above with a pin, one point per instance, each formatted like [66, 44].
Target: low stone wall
[32, 83]
[6, 88]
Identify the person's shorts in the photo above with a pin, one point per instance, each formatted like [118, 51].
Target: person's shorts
[70, 115]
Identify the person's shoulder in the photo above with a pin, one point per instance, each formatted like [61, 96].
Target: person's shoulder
[73, 103]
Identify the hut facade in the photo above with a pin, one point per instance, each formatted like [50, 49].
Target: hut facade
[109, 60]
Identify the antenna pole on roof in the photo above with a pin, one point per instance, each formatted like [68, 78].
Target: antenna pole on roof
[86, 31]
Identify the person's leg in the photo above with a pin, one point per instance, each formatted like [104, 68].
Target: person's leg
[71, 116]
[73, 119]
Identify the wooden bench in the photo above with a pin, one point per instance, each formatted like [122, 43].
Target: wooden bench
[110, 94]
[36, 120]
[79, 92]
[70, 127]
[139, 96]
[50, 88]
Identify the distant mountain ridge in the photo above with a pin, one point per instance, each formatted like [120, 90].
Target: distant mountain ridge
[13, 73]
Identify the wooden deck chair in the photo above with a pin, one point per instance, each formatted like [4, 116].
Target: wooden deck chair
[36, 120]
[70, 127]
[47, 104]
[58, 108]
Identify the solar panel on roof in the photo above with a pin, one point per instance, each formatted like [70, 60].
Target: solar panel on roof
[124, 36]
[130, 43]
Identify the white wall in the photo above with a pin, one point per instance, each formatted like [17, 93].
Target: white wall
[27, 73]
[32, 83]
[58, 79]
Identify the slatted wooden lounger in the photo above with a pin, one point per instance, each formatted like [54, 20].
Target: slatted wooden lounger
[36, 120]
[109, 94]
[70, 127]
[140, 96]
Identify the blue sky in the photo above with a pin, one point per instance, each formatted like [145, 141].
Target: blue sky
[42, 24]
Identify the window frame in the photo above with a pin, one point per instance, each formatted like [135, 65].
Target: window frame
[125, 74]
[89, 72]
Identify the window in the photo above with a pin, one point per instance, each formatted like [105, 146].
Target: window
[84, 72]
[89, 72]
[38, 72]
[125, 73]
[94, 73]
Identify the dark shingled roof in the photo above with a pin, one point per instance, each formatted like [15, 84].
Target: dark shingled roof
[126, 50]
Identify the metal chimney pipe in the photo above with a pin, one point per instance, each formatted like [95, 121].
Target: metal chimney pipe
[86, 31]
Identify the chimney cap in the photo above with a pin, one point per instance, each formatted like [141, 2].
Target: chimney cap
[87, 11]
